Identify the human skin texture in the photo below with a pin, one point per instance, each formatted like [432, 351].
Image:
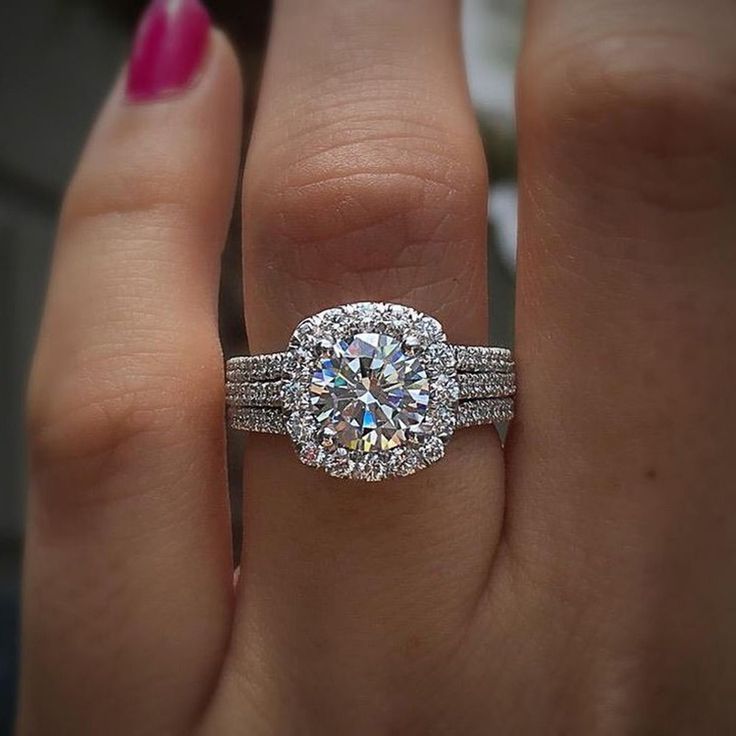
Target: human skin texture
[579, 580]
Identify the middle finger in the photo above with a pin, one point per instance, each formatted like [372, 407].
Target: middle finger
[365, 180]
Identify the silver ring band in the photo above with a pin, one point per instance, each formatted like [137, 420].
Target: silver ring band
[272, 421]
[255, 383]
[268, 393]
[410, 388]
[270, 366]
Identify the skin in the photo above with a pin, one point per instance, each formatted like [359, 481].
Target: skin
[582, 580]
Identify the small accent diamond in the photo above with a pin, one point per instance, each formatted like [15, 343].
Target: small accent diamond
[370, 467]
[312, 454]
[339, 463]
[433, 449]
[406, 463]
[300, 427]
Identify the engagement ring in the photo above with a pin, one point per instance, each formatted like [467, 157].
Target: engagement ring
[370, 390]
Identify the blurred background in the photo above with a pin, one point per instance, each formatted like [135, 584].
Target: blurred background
[57, 61]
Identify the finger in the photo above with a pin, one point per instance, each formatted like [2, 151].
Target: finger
[365, 180]
[128, 577]
[622, 460]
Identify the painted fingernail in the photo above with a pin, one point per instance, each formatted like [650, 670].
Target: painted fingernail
[168, 50]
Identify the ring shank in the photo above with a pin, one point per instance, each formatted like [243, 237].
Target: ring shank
[270, 366]
[486, 380]
[272, 421]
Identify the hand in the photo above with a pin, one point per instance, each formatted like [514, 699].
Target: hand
[582, 581]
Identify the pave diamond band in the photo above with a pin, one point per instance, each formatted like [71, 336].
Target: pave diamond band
[470, 414]
[257, 419]
[266, 367]
[370, 390]
[242, 392]
[468, 358]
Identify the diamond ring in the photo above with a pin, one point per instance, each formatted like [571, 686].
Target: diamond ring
[370, 390]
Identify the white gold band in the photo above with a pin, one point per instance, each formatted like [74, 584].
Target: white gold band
[241, 393]
[273, 421]
[486, 381]
[270, 366]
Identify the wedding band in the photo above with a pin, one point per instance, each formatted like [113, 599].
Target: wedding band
[370, 390]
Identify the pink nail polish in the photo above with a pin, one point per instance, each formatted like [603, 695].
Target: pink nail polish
[168, 49]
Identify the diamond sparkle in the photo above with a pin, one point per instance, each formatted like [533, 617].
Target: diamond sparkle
[370, 390]
[369, 394]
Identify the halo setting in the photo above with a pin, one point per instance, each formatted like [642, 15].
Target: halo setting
[363, 390]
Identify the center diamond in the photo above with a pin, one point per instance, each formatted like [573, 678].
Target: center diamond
[368, 394]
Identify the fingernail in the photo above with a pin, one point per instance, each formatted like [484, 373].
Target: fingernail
[168, 49]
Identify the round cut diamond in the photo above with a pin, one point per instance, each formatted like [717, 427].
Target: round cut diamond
[368, 394]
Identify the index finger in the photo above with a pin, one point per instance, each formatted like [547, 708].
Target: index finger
[128, 542]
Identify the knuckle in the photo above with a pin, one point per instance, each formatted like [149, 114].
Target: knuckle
[90, 421]
[140, 187]
[360, 181]
[418, 200]
[132, 212]
[648, 114]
